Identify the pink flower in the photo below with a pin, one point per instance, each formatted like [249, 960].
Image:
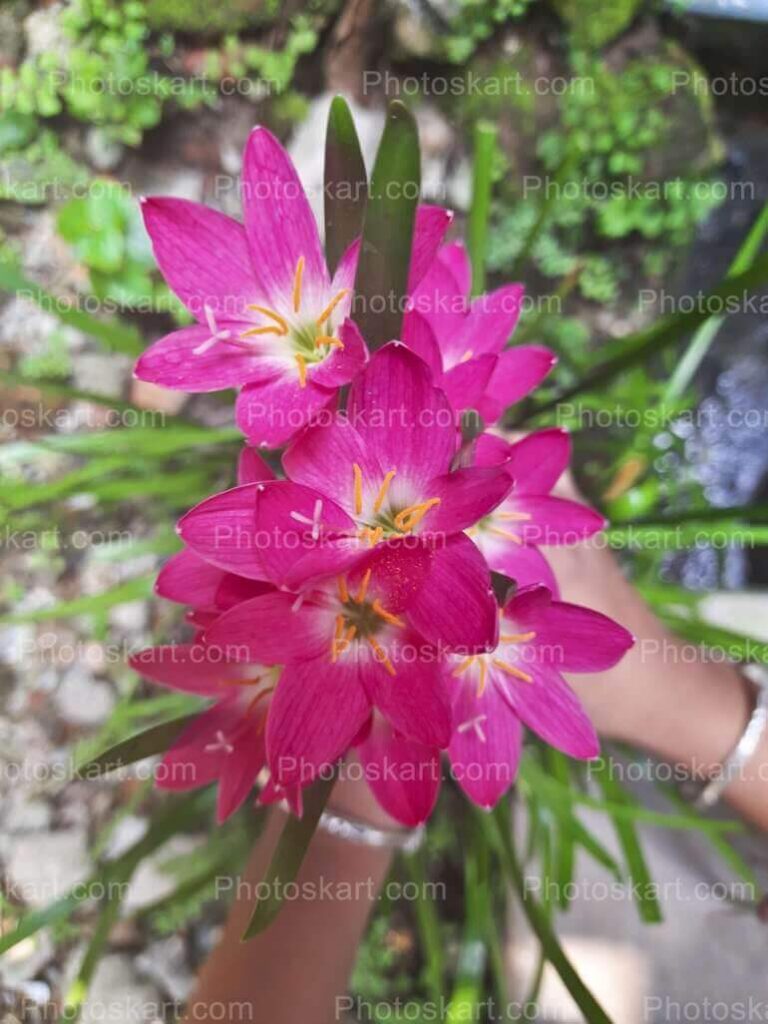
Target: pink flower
[348, 645]
[509, 536]
[403, 774]
[520, 682]
[270, 319]
[226, 743]
[376, 482]
[463, 341]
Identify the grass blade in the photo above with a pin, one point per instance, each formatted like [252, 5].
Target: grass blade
[385, 254]
[144, 744]
[289, 855]
[345, 183]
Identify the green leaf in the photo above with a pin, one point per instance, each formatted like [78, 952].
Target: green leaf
[648, 906]
[385, 254]
[702, 340]
[139, 587]
[500, 829]
[345, 183]
[151, 741]
[479, 211]
[289, 855]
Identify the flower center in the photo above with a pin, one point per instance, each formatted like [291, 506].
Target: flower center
[480, 662]
[361, 619]
[390, 521]
[309, 339]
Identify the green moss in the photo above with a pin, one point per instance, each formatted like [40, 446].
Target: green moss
[204, 18]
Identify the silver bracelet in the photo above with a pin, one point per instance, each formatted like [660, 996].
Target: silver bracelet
[408, 840]
[747, 744]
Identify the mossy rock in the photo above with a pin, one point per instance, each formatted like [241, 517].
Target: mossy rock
[200, 17]
[593, 23]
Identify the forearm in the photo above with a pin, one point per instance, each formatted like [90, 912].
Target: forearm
[665, 697]
[299, 967]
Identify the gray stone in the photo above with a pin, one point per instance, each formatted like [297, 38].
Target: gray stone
[41, 867]
[82, 700]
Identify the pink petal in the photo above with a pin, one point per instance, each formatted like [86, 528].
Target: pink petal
[343, 363]
[271, 630]
[492, 319]
[486, 743]
[455, 607]
[278, 219]
[414, 699]
[551, 709]
[316, 711]
[420, 338]
[222, 530]
[518, 371]
[272, 412]
[251, 467]
[323, 458]
[404, 776]
[190, 668]
[454, 256]
[539, 460]
[406, 422]
[187, 579]
[239, 772]
[491, 450]
[568, 636]
[466, 495]
[554, 520]
[428, 232]
[299, 524]
[526, 565]
[203, 255]
[466, 383]
[234, 589]
[173, 363]
[440, 302]
[344, 278]
[197, 758]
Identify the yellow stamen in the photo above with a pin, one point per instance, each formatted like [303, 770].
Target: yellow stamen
[343, 590]
[363, 586]
[257, 699]
[383, 490]
[262, 330]
[467, 356]
[483, 677]
[372, 534]
[331, 306]
[517, 638]
[410, 517]
[393, 620]
[358, 483]
[518, 517]
[337, 637]
[302, 365]
[512, 670]
[297, 285]
[463, 665]
[281, 322]
[504, 533]
[326, 339]
[381, 655]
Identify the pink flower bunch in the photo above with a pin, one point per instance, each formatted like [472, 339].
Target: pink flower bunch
[346, 603]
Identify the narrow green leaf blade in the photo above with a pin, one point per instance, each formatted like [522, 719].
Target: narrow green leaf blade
[385, 254]
[540, 925]
[144, 744]
[345, 183]
[479, 211]
[289, 855]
